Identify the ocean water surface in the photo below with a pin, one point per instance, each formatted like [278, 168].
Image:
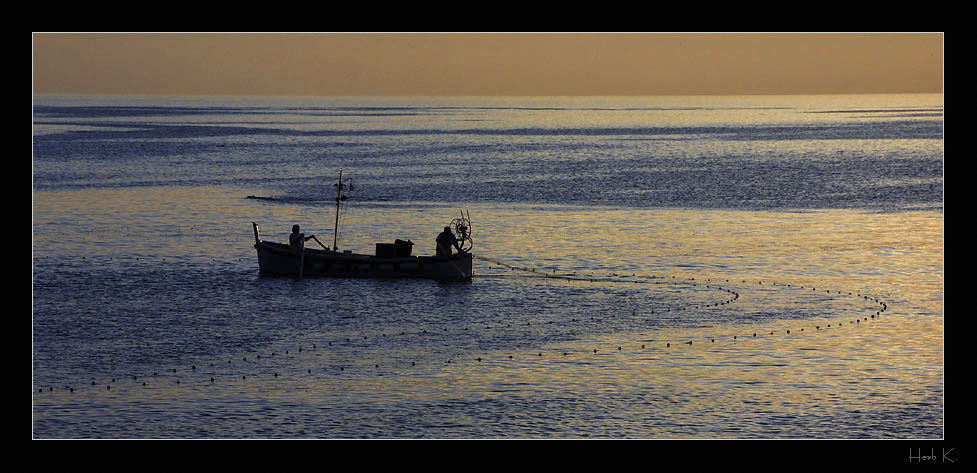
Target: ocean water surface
[646, 267]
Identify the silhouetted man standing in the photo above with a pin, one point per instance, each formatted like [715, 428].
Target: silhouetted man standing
[296, 240]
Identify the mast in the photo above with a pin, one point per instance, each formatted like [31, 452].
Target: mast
[339, 195]
[340, 187]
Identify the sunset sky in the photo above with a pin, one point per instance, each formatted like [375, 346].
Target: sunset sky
[486, 64]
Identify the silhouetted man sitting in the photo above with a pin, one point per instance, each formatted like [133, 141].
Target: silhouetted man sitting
[446, 240]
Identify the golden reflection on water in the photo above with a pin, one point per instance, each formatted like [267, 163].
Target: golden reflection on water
[707, 389]
[896, 257]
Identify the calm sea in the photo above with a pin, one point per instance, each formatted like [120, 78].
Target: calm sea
[646, 267]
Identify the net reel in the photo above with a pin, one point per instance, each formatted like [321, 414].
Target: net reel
[462, 229]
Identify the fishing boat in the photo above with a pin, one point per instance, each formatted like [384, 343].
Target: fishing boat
[391, 260]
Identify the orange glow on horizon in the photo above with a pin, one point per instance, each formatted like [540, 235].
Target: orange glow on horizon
[486, 64]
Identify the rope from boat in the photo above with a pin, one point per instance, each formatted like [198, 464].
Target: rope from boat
[460, 272]
[554, 274]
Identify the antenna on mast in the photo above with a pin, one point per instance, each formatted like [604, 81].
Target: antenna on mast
[340, 197]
